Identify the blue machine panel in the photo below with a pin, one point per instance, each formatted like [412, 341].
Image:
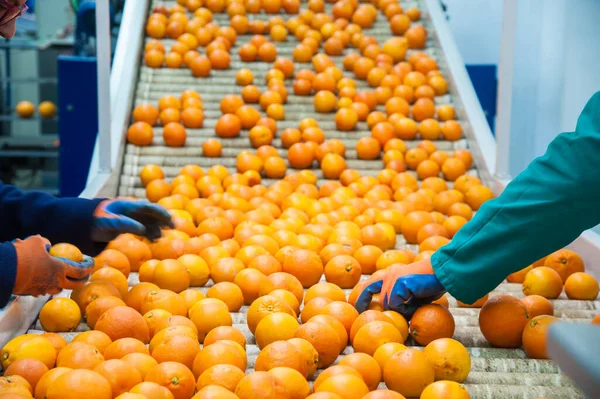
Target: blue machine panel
[485, 83]
[78, 123]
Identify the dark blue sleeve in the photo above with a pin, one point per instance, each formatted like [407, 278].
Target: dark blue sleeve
[8, 271]
[57, 219]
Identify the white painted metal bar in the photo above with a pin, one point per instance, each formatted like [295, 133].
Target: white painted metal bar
[479, 133]
[122, 87]
[103, 59]
[505, 83]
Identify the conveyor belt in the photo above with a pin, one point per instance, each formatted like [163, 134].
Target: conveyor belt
[496, 373]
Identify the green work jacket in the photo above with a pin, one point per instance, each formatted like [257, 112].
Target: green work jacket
[543, 209]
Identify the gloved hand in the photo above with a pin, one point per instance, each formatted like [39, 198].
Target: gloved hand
[403, 288]
[38, 273]
[114, 217]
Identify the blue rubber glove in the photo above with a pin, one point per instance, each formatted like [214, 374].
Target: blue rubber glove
[114, 217]
[403, 288]
[39, 273]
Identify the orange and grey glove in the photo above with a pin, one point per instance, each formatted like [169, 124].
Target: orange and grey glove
[39, 273]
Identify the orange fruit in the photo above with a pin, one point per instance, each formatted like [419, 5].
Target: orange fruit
[502, 320]
[121, 375]
[538, 305]
[67, 251]
[113, 277]
[32, 370]
[534, 336]
[343, 271]
[78, 384]
[385, 351]
[79, 355]
[175, 377]
[223, 375]
[367, 367]
[225, 333]
[581, 286]
[449, 358]
[412, 224]
[249, 280]
[180, 349]
[408, 362]
[48, 378]
[60, 315]
[212, 148]
[565, 262]
[452, 169]
[543, 281]
[280, 354]
[261, 384]
[374, 334]
[345, 385]
[365, 318]
[229, 293]
[95, 338]
[114, 259]
[137, 294]
[477, 195]
[141, 361]
[293, 381]
[323, 338]
[123, 322]
[431, 322]
[28, 346]
[264, 306]
[208, 314]
[152, 390]
[124, 346]
[343, 311]
[221, 352]
[445, 389]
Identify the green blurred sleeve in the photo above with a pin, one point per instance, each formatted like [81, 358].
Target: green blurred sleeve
[543, 209]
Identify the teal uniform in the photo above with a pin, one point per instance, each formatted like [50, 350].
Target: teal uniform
[543, 209]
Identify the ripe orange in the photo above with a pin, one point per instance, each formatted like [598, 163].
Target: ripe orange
[565, 262]
[323, 338]
[223, 375]
[123, 322]
[502, 320]
[345, 385]
[78, 384]
[543, 281]
[367, 367]
[175, 377]
[534, 336]
[408, 362]
[538, 305]
[343, 271]
[261, 384]
[449, 358]
[441, 389]
[581, 286]
[121, 375]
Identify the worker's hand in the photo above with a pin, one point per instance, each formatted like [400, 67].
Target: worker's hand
[142, 218]
[403, 288]
[38, 273]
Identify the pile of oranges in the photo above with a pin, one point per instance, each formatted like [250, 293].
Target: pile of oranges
[275, 264]
[175, 115]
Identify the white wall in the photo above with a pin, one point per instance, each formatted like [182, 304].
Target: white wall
[556, 72]
[556, 63]
[477, 29]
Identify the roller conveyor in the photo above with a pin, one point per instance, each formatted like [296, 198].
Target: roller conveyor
[495, 372]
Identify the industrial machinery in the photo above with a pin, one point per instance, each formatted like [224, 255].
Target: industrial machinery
[495, 373]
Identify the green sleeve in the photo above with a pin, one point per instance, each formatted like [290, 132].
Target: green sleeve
[543, 209]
